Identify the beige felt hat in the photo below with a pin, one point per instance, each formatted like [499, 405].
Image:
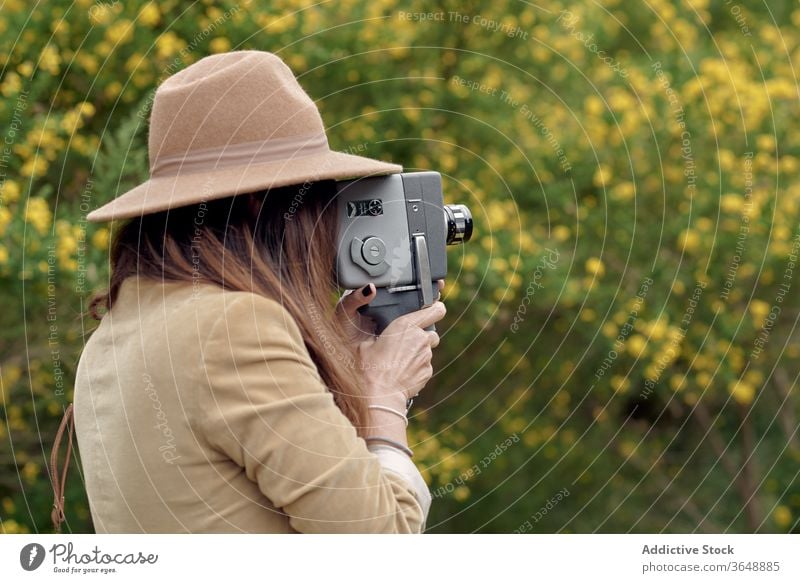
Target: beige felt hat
[229, 124]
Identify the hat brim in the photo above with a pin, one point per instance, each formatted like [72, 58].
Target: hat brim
[163, 193]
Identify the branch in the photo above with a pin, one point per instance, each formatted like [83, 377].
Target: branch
[748, 476]
[787, 408]
[714, 439]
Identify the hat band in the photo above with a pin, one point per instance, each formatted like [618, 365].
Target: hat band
[243, 154]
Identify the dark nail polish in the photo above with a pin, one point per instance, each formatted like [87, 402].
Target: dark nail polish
[367, 291]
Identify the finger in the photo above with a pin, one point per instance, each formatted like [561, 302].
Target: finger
[357, 298]
[440, 283]
[433, 338]
[424, 317]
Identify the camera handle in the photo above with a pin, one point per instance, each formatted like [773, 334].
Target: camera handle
[391, 303]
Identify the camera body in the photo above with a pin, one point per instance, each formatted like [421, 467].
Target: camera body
[393, 232]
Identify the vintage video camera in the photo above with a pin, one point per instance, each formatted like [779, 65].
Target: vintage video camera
[393, 232]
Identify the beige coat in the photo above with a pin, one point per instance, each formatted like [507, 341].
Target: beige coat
[200, 410]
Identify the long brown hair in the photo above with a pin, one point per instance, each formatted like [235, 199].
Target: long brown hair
[280, 244]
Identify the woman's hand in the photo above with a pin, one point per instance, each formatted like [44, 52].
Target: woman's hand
[358, 327]
[397, 364]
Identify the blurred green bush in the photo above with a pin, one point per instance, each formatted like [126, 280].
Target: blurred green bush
[621, 351]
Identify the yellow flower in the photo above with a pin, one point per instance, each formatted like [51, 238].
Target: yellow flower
[100, 239]
[38, 214]
[594, 105]
[3, 255]
[498, 215]
[25, 69]
[781, 233]
[5, 219]
[168, 44]
[50, 60]
[461, 493]
[651, 372]
[602, 176]
[11, 85]
[541, 54]
[86, 109]
[149, 15]
[727, 159]
[83, 144]
[628, 448]
[13, 527]
[703, 379]
[87, 61]
[10, 375]
[620, 384]
[451, 290]
[594, 266]
[113, 89]
[637, 345]
[705, 224]
[67, 245]
[135, 63]
[298, 62]
[656, 329]
[782, 516]
[100, 13]
[120, 32]
[9, 192]
[788, 164]
[624, 191]
[277, 25]
[676, 382]
[731, 203]
[469, 262]
[499, 264]
[30, 470]
[61, 28]
[14, 5]
[220, 45]
[755, 377]
[400, 52]
[742, 392]
[447, 161]
[71, 122]
[527, 242]
[689, 240]
[561, 233]
[759, 309]
[765, 142]
[34, 167]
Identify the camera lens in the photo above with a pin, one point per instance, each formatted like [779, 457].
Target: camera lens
[459, 223]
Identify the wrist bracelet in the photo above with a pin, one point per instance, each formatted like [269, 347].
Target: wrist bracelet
[392, 443]
[390, 410]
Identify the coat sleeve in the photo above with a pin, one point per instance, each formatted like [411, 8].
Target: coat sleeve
[265, 406]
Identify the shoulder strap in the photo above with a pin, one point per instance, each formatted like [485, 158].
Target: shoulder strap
[59, 482]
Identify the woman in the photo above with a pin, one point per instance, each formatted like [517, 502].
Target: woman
[223, 391]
